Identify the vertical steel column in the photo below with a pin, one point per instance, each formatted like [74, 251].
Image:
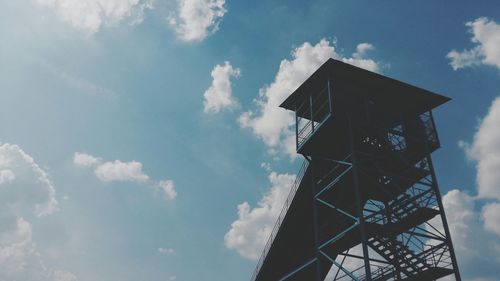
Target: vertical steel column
[388, 213]
[315, 221]
[297, 129]
[359, 206]
[312, 115]
[329, 98]
[443, 218]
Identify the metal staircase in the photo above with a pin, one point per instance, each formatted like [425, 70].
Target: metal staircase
[398, 254]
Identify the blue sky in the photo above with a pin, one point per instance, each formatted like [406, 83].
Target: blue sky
[141, 140]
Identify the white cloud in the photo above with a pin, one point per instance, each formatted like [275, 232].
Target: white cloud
[486, 36]
[30, 187]
[477, 251]
[219, 94]
[491, 217]
[166, 251]
[110, 171]
[476, 234]
[273, 124]
[358, 58]
[85, 160]
[118, 171]
[361, 50]
[91, 15]
[16, 247]
[466, 58]
[459, 208]
[485, 149]
[168, 189]
[196, 19]
[26, 194]
[121, 171]
[249, 233]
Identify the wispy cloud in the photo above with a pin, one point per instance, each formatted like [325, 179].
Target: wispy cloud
[166, 251]
[78, 83]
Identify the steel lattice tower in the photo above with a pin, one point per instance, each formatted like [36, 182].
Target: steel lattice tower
[366, 204]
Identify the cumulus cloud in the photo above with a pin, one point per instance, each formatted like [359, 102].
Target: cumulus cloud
[476, 233]
[111, 170]
[358, 58]
[219, 94]
[486, 37]
[24, 184]
[459, 208]
[274, 125]
[26, 194]
[361, 50]
[16, 247]
[85, 160]
[119, 171]
[485, 150]
[477, 250]
[249, 233]
[91, 15]
[491, 217]
[196, 19]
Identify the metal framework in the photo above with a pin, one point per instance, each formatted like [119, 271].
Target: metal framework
[366, 204]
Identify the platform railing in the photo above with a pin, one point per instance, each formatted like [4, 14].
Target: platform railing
[281, 217]
[311, 114]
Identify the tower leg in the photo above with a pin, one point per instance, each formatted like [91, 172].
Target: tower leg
[359, 203]
[315, 221]
[443, 219]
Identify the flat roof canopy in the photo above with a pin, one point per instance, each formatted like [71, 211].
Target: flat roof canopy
[390, 95]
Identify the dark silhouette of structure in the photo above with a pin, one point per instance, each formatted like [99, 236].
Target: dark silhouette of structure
[366, 204]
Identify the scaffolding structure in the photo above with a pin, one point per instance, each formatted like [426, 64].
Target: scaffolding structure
[366, 204]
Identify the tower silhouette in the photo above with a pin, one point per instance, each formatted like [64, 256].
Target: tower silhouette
[366, 203]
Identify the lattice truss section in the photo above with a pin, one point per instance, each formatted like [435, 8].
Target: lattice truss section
[401, 212]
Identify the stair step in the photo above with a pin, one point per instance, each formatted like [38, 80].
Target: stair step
[408, 262]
